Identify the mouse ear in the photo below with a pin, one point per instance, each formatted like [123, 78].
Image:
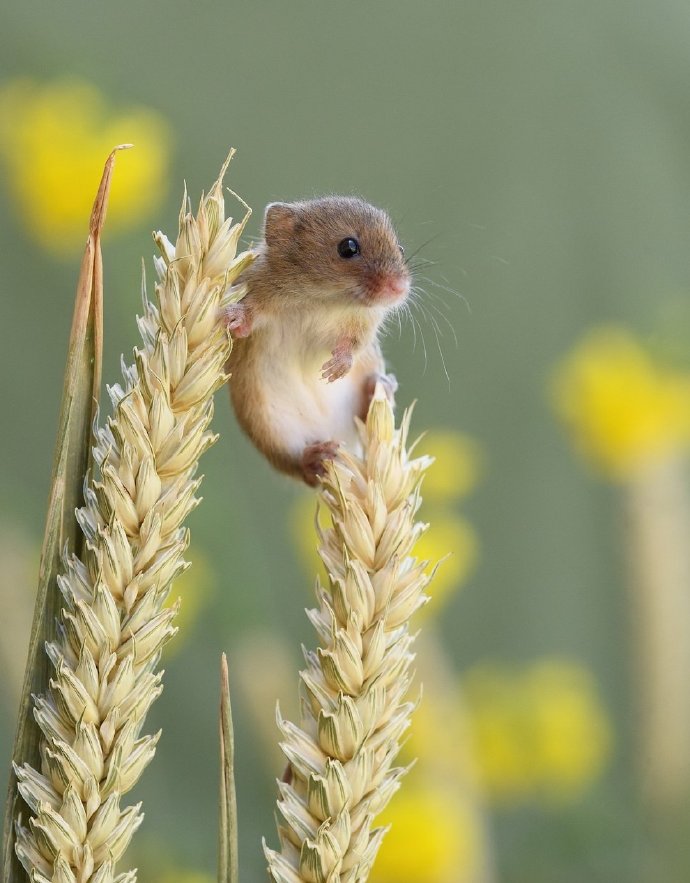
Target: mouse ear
[279, 221]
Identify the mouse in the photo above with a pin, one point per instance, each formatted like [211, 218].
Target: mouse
[306, 356]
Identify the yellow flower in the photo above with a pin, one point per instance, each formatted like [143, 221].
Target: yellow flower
[499, 726]
[571, 731]
[448, 531]
[433, 838]
[538, 733]
[194, 589]
[457, 468]
[54, 139]
[623, 408]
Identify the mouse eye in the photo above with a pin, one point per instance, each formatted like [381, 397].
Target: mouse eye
[402, 250]
[348, 248]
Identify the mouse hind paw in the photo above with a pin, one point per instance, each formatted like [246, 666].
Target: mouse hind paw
[313, 460]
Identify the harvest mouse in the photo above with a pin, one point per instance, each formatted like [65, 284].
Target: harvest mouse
[306, 356]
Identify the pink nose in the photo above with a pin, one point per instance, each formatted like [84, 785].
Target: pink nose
[394, 286]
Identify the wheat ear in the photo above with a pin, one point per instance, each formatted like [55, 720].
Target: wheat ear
[113, 624]
[354, 709]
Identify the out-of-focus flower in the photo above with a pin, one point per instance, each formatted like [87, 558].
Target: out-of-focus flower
[54, 138]
[438, 831]
[629, 411]
[195, 588]
[539, 733]
[452, 532]
[457, 468]
[304, 535]
[432, 838]
[439, 724]
[623, 407]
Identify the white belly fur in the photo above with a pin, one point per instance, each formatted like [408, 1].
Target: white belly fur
[303, 408]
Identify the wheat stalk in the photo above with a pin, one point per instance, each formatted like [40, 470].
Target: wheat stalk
[113, 624]
[354, 710]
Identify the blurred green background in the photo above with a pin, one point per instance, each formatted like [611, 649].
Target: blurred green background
[538, 155]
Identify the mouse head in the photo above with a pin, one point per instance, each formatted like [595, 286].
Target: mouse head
[338, 247]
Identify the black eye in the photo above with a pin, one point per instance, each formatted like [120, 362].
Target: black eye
[348, 248]
[402, 250]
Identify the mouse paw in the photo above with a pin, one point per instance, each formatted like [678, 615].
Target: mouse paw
[338, 366]
[238, 320]
[313, 459]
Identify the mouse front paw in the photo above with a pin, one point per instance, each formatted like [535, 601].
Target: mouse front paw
[238, 319]
[313, 460]
[338, 366]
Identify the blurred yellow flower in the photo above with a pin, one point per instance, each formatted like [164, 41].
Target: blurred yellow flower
[194, 588]
[623, 408]
[433, 838]
[572, 735]
[457, 468]
[539, 733]
[439, 726]
[54, 139]
[438, 827]
[453, 541]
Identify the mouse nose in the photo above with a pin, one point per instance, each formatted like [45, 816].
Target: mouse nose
[394, 287]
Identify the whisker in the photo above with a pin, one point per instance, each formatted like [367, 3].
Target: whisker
[437, 334]
[420, 262]
[426, 295]
[440, 352]
[436, 302]
[403, 310]
[421, 334]
[447, 289]
[416, 326]
[445, 318]
[427, 303]
[409, 257]
[408, 312]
